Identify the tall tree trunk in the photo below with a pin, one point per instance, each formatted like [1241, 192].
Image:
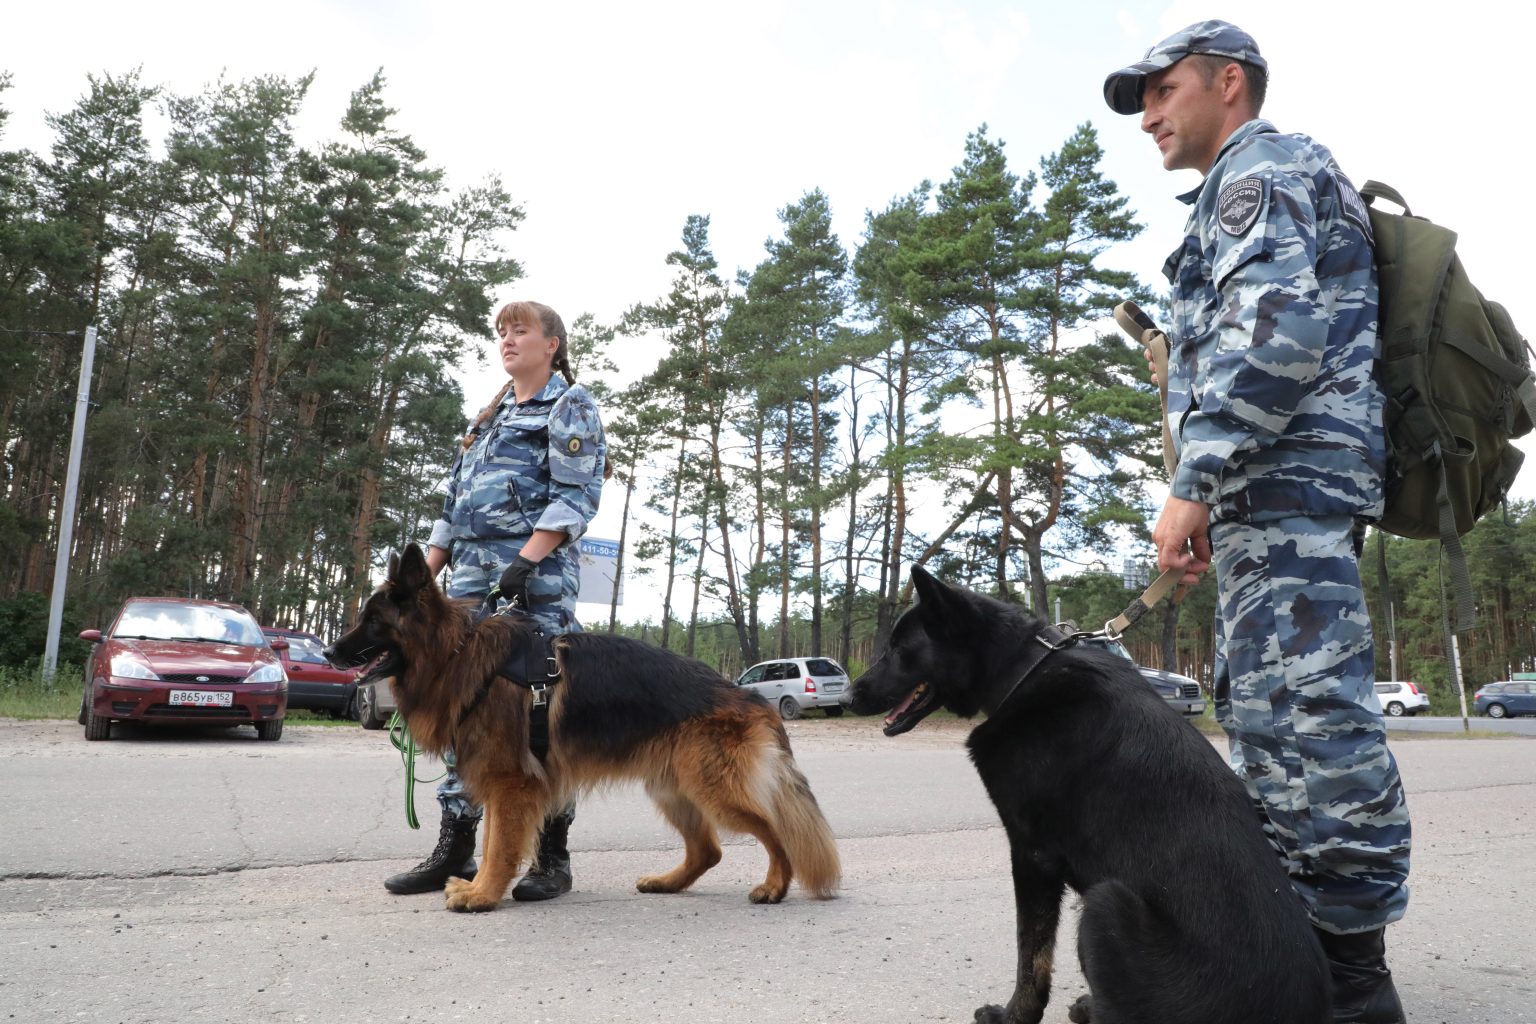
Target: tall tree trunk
[368, 504]
[618, 565]
[698, 584]
[815, 512]
[760, 556]
[897, 511]
[672, 539]
[785, 512]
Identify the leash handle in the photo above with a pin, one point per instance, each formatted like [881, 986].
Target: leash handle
[1144, 330]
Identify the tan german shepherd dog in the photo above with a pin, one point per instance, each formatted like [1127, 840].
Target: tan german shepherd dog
[710, 755]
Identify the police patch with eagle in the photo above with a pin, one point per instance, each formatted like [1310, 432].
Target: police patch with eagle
[1239, 205]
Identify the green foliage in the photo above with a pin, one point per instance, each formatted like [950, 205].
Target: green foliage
[273, 394]
[274, 397]
[24, 632]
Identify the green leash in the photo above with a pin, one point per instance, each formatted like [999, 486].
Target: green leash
[400, 738]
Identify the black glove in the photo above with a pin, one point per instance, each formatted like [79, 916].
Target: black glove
[514, 582]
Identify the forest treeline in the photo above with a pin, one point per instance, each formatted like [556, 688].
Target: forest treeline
[274, 399]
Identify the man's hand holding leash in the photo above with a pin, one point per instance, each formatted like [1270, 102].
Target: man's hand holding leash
[1181, 538]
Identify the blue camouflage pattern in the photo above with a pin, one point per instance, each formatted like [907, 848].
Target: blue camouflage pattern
[1123, 88]
[1273, 401]
[1276, 416]
[536, 465]
[1294, 691]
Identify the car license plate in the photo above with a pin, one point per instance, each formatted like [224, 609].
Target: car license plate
[203, 698]
[832, 688]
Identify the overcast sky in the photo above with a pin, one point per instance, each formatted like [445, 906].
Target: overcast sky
[611, 122]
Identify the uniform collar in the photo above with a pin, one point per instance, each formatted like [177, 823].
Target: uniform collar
[553, 389]
[1245, 131]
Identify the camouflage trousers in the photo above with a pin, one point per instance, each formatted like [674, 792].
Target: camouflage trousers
[1294, 691]
[476, 569]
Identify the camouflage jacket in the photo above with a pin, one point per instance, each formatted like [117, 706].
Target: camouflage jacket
[537, 465]
[1272, 397]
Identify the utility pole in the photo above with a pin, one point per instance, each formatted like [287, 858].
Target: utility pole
[67, 509]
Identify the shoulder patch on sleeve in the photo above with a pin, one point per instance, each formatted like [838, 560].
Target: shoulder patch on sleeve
[1239, 204]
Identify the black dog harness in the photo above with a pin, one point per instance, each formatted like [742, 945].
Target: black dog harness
[532, 665]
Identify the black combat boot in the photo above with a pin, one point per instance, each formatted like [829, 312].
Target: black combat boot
[1363, 992]
[551, 876]
[454, 857]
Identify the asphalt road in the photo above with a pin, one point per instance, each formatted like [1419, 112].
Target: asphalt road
[210, 877]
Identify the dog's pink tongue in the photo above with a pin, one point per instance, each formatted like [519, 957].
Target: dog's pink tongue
[901, 707]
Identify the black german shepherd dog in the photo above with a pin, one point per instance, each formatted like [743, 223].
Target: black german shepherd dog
[1187, 915]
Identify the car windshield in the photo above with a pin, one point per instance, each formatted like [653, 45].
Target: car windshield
[166, 620]
[1112, 646]
[304, 648]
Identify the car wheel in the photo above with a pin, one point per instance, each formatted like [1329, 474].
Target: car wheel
[836, 711]
[1496, 711]
[367, 712]
[96, 728]
[789, 710]
[271, 729]
[1396, 709]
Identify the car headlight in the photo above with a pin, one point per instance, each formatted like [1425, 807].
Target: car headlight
[268, 673]
[125, 666]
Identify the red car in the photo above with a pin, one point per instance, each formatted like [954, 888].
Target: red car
[181, 661]
[313, 685]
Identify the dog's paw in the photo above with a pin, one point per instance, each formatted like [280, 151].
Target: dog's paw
[1081, 1011]
[656, 883]
[465, 899]
[766, 893]
[992, 1014]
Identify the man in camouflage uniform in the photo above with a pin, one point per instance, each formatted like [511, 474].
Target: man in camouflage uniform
[531, 478]
[1277, 419]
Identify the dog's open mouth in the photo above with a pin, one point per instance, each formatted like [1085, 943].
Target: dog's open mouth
[913, 709]
[386, 667]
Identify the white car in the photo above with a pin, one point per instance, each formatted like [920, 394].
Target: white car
[795, 684]
[1398, 699]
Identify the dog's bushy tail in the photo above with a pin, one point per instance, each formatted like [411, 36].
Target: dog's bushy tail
[803, 829]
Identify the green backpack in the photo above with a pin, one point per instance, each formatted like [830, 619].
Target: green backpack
[1457, 383]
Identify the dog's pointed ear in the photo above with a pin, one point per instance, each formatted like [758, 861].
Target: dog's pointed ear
[930, 591]
[394, 566]
[412, 574]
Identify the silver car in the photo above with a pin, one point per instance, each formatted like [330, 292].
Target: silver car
[1180, 692]
[795, 684]
[374, 704]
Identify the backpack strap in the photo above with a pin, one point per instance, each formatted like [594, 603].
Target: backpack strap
[1379, 190]
[1510, 373]
[1450, 546]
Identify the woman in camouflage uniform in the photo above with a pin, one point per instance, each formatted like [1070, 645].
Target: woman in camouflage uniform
[524, 488]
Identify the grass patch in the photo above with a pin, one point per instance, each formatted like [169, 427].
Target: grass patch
[296, 717]
[26, 693]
